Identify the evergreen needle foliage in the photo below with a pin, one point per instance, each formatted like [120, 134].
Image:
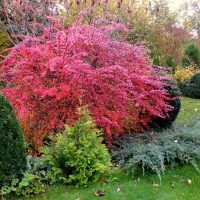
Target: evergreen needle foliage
[12, 151]
[175, 95]
[77, 157]
[192, 88]
[192, 55]
[174, 146]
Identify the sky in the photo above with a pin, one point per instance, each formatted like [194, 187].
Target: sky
[175, 4]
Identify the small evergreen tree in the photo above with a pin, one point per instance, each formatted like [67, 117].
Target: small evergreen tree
[12, 151]
[192, 55]
[78, 157]
[192, 88]
[170, 61]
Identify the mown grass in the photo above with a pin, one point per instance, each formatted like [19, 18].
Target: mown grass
[190, 108]
[174, 185]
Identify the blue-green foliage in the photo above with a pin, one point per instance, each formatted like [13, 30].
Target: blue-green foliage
[172, 147]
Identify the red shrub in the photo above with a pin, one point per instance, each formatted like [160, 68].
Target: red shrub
[48, 77]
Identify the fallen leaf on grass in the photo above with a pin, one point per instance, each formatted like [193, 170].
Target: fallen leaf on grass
[107, 181]
[99, 193]
[182, 179]
[173, 184]
[137, 180]
[189, 181]
[155, 184]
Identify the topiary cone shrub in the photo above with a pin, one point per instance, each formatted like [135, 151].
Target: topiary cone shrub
[12, 150]
[48, 77]
[192, 88]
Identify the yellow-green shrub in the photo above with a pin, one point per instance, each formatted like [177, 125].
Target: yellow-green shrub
[183, 75]
[78, 156]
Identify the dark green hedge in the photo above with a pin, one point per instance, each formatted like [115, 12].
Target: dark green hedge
[12, 150]
[192, 87]
[174, 94]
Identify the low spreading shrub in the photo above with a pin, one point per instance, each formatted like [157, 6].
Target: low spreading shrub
[78, 157]
[12, 150]
[173, 147]
[48, 77]
[192, 87]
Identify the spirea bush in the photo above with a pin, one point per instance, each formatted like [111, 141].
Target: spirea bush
[78, 156]
[12, 150]
[48, 77]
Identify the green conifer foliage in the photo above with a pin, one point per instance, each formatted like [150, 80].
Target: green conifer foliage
[12, 151]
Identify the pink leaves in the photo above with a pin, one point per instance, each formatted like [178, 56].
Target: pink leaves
[82, 65]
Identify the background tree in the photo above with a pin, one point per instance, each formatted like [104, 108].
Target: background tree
[21, 17]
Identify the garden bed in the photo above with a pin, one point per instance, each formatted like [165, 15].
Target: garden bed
[181, 183]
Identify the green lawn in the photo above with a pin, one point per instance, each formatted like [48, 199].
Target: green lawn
[174, 184]
[190, 108]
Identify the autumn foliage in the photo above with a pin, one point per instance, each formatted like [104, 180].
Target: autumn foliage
[48, 77]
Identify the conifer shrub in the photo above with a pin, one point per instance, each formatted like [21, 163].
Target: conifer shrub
[183, 75]
[172, 88]
[173, 147]
[12, 150]
[192, 55]
[175, 102]
[77, 155]
[192, 87]
[170, 61]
